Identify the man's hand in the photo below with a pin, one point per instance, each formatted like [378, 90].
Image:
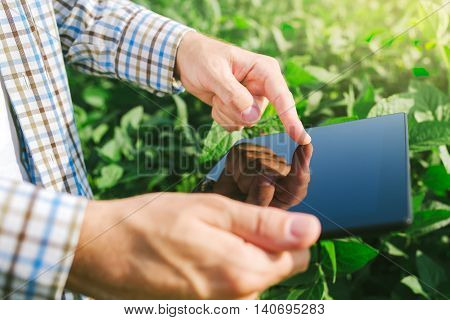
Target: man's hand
[187, 246]
[237, 84]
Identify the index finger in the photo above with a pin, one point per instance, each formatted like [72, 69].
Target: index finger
[277, 91]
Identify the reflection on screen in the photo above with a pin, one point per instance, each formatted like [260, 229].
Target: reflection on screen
[257, 175]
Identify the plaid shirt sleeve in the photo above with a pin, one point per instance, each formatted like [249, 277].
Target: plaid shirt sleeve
[120, 39]
[39, 231]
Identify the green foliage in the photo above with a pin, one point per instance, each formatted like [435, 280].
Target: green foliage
[437, 179]
[310, 285]
[218, 142]
[431, 273]
[341, 64]
[329, 249]
[296, 74]
[429, 221]
[132, 118]
[420, 72]
[429, 134]
[414, 284]
[109, 177]
[353, 255]
[365, 101]
[338, 120]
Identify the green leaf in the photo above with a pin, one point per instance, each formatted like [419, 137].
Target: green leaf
[314, 292]
[402, 102]
[275, 293]
[296, 74]
[353, 255]
[304, 279]
[294, 293]
[241, 22]
[156, 179]
[443, 24]
[111, 150]
[287, 27]
[218, 142]
[420, 72]
[413, 283]
[313, 101]
[338, 120]
[124, 143]
[430, 273]
[110, 176]
[428, 134]
[394, 251]
[330, 256]
[182, 114]
[282, 44]
[323, 75]
[85, 133]
[447, 51]
[365, 101]
[428, 221]
[423, 99]
[99, 132]
[182, 122]
[132, 118]
[437, 179]
[388, 42]
[95, 96]
[81, 116]
[445, 157]
[417, 201]
[428, 97]
[270, 123]
[373, 34]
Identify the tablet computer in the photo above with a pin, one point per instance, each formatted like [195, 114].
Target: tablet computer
[354, 177]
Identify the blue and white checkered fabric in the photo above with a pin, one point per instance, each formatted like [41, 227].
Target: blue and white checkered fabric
[40, 221]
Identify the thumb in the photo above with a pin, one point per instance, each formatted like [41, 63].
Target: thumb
[240, 104]
[274, 229]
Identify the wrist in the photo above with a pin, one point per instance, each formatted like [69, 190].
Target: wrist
[104, 258]
[184, 49]
[91, 269]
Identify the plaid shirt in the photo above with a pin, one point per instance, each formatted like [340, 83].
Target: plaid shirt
[40, 221]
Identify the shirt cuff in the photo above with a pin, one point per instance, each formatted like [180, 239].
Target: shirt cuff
[39, 231]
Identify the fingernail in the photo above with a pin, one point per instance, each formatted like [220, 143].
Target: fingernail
[308, 138]
[251, 114]
[299, 228]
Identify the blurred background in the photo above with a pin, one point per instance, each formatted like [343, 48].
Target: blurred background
[343, 60]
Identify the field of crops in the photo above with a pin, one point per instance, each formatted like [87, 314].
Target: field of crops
[343, 60]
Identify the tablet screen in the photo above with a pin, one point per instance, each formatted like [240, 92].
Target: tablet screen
[354, 177]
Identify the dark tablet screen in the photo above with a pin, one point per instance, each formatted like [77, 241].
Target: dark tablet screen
[355, 179]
